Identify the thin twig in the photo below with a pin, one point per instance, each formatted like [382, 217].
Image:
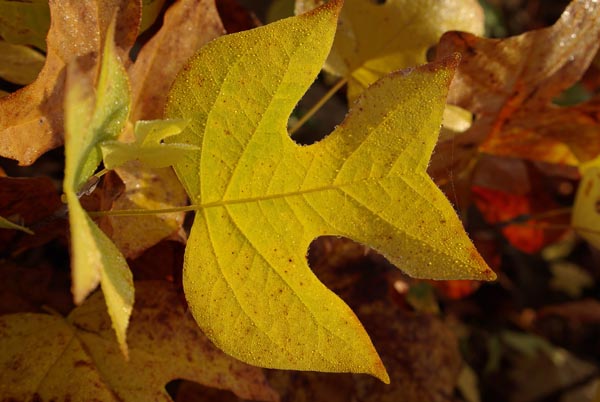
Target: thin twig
[318, 105]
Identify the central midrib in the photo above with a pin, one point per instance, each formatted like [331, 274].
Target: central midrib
[222, 203]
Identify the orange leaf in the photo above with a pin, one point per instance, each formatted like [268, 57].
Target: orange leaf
[509, 84]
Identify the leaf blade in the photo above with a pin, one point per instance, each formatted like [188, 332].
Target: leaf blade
[263, 198]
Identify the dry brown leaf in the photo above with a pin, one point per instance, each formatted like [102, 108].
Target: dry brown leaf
[31, 119]
[187, 25]
[45, 352]
[237, 18]
[31, 201]
[30, 289]
[147, 189]
[509, 85]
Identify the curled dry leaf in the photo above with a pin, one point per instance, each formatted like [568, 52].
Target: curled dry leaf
[375, 38]
[187, 26]
[48, 357]
[31, 119]
[509, 85]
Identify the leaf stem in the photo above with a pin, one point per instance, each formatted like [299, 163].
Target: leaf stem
[543, 215]
[139, 212]
[318, 105]
[102, 173]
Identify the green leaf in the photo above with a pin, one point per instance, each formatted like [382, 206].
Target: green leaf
[77, 358]
[6, 224]
[89, 120]
[19, 64]
[148, 147]
[262, 198]
[375, 38]
[25, 22]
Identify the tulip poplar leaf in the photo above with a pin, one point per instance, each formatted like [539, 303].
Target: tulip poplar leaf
[262, 198]
[89, 120]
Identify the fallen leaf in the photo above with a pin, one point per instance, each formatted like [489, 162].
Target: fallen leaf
[375, 38]
[187, 26]
[586, 209]
[262, 198]
[33, 288]
[31, 201]
[235, 17]
[510, 193]
[31, 119]
[509, 85]
[90, 119]
[413, 346]
[25, 22]
[49, 357]
[147, 189]
[19, 64]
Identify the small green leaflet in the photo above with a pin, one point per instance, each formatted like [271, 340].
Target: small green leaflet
[90, 120]
[148, 147]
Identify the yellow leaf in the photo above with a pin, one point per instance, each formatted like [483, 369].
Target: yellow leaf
[586, 209]
[89, 120]
[77, 358]
[262, 198]
[375, 38]
[19, 64]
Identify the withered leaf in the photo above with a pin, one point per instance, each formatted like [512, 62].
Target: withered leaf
[78, 358]
[31, 119]
[509, 84]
